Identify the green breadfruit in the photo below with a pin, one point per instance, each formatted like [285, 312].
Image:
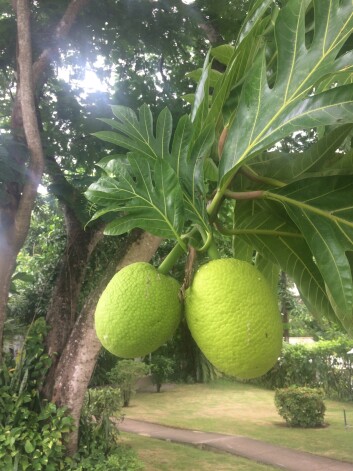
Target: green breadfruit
[138, 311]
[233, 316]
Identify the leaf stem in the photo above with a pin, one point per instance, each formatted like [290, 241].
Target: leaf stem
[252, 175]
[244, 195]
[306, 207]
[171, 259]
[213, 206]
[212, 251]
[207, 238]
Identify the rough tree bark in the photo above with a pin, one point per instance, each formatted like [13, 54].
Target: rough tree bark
[62, 312]
[63, 308]
[15, 212]
[79, 357]
[15, 219]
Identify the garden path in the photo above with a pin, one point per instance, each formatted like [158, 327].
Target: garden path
[255, 450]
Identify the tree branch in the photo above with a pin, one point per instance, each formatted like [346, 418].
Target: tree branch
[30, 124]
[80, 354]
[61, 30]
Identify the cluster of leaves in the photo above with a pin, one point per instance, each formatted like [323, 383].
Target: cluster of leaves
[289, 70]
[98, 437]
[120, 459]
[325, 364]
[301, 407]
[31, 431]
[37, 263]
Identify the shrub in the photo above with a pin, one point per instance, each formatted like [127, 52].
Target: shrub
[162, 369]
[301, 407]
[32, 431]
[99, 449]
[100, 413]
[125, 374]
[122, 458]
[324, 365]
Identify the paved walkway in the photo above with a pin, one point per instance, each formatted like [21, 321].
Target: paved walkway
[255, 450]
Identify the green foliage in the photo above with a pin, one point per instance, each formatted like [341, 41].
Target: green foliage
[31, 440]
[325, 364]
[125, 374]
[162, 369]
[288, 72]
[38, 262]
[98, 437]
[301, 407]
[32, 432]
[122, 458]
[161, 189]
[100, 414]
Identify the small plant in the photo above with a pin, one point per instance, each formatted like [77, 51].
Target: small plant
[125, 374]
[32, 432]
[100, 414]
[162, 369]
[98, 447]
[301, 407]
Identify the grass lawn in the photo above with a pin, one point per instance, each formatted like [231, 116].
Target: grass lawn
[242, 409]
[158, 455]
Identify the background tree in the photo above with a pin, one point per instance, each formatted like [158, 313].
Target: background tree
[289, 208]
[142, 50]
[271, 193]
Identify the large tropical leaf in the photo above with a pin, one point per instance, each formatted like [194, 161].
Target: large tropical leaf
[257, 10]
[185, 154]
[322, 208]
[143, 193]
[188, 161]
[137, 135]
[321, 157]
[278, 240]
[265, 115]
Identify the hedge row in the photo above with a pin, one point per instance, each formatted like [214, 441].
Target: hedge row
[324, 365]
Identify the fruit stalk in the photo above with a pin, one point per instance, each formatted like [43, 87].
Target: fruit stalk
[171, 259]
[212, 251]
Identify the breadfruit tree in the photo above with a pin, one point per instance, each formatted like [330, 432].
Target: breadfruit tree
[223, 168]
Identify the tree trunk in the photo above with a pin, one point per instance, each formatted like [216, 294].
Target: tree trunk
[79, 357]
[63, 308]
[7, 266]
[15, 213]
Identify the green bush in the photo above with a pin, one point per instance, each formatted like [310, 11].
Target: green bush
[324, 365]
[32, 431]
[124, 375]
[162, 369]
[98, 426]
[99, 449]
[122, 459]
[301, 407]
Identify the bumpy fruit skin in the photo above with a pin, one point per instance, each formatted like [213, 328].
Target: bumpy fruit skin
[233, 316]
[138, 311]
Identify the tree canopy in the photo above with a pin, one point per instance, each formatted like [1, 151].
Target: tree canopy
[221, 127]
